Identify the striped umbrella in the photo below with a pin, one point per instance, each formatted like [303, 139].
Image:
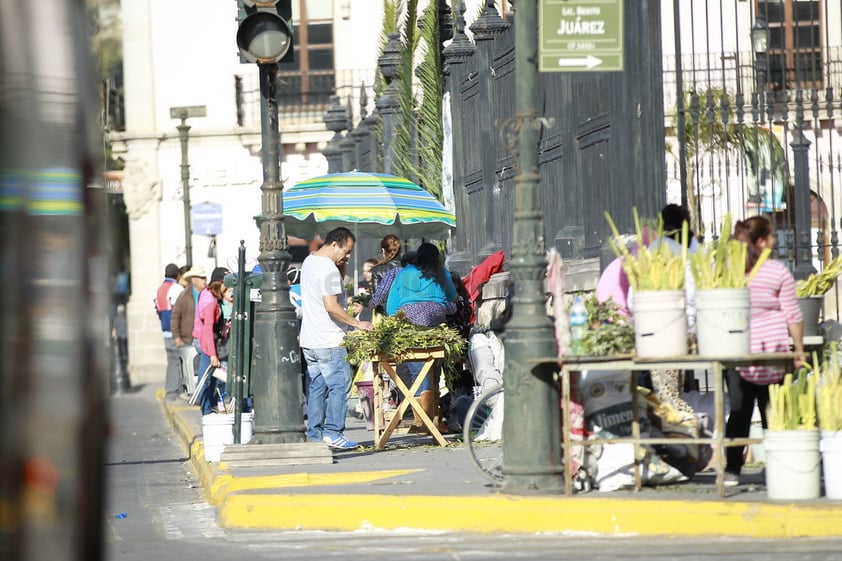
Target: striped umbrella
[369, 204]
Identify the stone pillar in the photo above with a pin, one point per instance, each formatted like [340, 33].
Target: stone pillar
[459, 51]
[142, 195]
[336, 120]
[487, 28]
[359, 133]
[389, 104]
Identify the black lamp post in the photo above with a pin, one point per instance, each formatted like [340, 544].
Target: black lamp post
[265, 37]
[184, 113]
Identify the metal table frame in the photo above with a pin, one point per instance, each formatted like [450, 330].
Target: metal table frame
[688, 362]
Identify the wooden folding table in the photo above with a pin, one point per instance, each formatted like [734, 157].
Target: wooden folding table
[385, 368]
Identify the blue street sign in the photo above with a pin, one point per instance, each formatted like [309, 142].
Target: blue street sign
[206, 219]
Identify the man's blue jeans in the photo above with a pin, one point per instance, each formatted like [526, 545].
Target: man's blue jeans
[329, 375]
[414, 369]
[207, 392]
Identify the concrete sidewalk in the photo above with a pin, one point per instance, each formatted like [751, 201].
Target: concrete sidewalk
[414, 483]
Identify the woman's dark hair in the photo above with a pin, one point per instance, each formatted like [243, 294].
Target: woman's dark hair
[409, 258]
[391, 246]
[429, 263]
[673, 216]
[752, 230]
[217, 288]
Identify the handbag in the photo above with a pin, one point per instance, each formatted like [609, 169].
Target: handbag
[222, 348]
[222, 337]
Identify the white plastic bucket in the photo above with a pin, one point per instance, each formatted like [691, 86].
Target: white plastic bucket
[831, 449]
[660, 323]
[217, 431]
[722, 321]
[792, 465]
[246, 427]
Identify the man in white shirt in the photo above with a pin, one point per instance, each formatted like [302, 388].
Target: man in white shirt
[323, 328]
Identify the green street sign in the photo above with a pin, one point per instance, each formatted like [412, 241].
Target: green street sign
[580, 35]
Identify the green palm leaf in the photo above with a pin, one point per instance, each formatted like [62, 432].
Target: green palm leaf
[429, 114]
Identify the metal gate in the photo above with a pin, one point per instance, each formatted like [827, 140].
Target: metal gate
[726, 106]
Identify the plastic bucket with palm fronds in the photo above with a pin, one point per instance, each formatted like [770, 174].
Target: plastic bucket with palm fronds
[831, 449]
[722, 322]
[660, 323]
[792, 464]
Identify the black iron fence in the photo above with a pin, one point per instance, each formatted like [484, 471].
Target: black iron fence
[304, 97]
[740, 132]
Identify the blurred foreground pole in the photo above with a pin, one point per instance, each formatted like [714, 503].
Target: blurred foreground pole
[531, 430]
[54, 278]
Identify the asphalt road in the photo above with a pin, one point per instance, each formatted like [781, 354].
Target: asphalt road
[155, 511]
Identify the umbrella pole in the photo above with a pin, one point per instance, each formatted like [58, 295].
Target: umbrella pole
[356, 263]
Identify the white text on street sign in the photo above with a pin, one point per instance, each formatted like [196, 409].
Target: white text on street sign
[580, 35]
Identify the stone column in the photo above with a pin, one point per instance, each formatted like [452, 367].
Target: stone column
[487, 28]
[454, 56]
[388, 105]
[142, 195]
[336, 120]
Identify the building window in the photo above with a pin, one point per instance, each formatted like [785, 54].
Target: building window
[795, 42]
[310, 80]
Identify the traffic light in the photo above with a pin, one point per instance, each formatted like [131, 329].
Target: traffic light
[265, 32]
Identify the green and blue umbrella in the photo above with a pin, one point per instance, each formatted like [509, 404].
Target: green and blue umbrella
[369, 204]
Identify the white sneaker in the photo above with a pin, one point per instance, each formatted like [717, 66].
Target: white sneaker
[339, 442]
[731, 479]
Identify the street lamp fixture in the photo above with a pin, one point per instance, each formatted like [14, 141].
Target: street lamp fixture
[264, 35]
[760, 36]
[760, 45]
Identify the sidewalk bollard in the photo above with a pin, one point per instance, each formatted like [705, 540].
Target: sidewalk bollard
[119, 380]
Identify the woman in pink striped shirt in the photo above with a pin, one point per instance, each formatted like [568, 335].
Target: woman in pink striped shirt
[775, 317]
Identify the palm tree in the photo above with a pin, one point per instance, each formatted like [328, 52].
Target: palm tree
[712, 131]
[418, 139]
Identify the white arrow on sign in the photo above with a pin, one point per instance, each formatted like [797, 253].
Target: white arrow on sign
[590, 61]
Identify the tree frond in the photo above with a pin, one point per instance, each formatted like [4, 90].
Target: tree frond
[430, 81]
[404, 161]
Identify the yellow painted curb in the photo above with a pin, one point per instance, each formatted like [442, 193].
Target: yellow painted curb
[496, 513]
[530, 515]
[225, 485]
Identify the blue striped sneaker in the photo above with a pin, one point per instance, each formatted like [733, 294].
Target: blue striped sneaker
[339, 442]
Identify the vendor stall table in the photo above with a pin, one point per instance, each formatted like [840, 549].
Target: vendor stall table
[633, 365]
[385, 369]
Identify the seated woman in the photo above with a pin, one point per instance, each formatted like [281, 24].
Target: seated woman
[422, 292]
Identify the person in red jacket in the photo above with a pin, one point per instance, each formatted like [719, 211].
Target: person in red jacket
[165, 298]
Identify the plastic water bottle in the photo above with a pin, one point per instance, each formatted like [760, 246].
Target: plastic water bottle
[578, 326]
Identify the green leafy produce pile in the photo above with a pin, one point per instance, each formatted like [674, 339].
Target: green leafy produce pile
[608, 332]
[396, 337]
